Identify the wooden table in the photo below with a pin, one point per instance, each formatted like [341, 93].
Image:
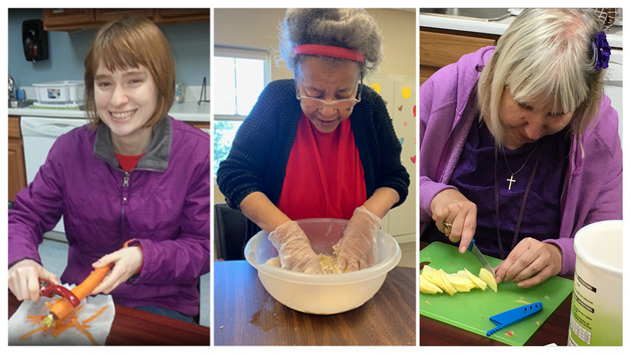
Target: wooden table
[137, 327]
[246, 314]
[554, 330]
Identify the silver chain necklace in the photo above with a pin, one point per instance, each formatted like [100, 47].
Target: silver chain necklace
[511, 179]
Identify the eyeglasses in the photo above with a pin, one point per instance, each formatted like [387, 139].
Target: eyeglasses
[340, 105]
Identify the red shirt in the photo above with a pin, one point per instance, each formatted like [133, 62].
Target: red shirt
[324, 176]
[128, 163]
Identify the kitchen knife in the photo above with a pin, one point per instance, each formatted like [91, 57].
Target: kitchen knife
[472, 248]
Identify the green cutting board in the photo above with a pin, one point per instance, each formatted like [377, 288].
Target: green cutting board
[471, 311]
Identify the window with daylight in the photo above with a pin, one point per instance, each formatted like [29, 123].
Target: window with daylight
[240, 76]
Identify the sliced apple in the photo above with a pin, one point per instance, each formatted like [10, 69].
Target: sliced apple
[436, 279]
[487, 277]
[461, 284]
[459, 279]
[449, 287]
[480, 283]
[428, 274]
[464, 288]
[428, 287]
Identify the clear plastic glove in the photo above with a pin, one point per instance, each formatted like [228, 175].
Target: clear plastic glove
[294, 249]
[358, 244]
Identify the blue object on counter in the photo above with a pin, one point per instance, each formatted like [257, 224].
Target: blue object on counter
[20, 95]
[509, 317]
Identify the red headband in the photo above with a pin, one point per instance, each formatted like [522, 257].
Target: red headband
[329, 51]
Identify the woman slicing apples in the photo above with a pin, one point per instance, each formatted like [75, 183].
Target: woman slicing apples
[319, 146]
[133, 176]
[519, 147]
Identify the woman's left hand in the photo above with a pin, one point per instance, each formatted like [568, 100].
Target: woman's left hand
[126, 261]
[530, 263]
[358, 244]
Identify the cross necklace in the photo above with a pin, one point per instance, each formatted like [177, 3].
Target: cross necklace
[511, 179]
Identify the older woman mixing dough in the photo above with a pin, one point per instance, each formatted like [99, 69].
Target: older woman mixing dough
[319, 146]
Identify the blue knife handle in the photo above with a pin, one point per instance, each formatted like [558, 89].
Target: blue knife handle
[472, 242]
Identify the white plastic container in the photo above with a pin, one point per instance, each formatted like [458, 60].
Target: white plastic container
[61, 92]
[322, 293]
[597, 307]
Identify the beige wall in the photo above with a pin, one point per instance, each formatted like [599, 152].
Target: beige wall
[258, 28]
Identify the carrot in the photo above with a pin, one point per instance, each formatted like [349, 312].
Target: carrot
[83, 330]
[60, 328]
[40, 329]
[63, 307]
[98, 313]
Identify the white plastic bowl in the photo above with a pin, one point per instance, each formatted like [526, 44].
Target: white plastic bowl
[322, 293]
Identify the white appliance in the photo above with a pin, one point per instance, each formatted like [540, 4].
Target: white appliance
[613, 85]
[39, 134]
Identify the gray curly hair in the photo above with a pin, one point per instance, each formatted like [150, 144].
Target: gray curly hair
[347, 28]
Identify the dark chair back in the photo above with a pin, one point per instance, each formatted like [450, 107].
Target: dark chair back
[229, 232]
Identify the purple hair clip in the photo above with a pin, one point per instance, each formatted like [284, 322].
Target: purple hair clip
[602, 50]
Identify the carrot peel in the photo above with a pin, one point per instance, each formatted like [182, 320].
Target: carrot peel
[63, 308]
[68, 322]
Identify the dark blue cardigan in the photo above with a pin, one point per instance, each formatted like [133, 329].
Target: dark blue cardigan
[260, 152]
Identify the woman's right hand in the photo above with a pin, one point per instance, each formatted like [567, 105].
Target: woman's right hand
[451, 207]
[25, 277]
[294, 248]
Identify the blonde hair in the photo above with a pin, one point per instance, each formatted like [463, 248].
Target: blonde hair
[545, 56]
[129, 43]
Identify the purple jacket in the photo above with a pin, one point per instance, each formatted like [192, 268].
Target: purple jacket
[448, 106]
[164, 203]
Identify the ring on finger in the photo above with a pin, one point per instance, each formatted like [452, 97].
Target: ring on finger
[447, 225]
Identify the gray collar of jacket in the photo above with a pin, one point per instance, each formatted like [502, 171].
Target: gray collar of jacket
[156, 157]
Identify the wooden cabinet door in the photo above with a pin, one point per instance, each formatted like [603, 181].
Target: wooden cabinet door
[54, 18]
[106, 15]
[166, 16]
[439, 48]
[200, 125]
[16, 168]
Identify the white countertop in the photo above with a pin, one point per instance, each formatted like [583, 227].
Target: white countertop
[187, 111]
[614, 36]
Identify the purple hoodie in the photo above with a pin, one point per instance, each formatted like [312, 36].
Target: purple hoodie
[164, 203]
[593, 181]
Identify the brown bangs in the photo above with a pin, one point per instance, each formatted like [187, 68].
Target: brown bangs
[130, 43]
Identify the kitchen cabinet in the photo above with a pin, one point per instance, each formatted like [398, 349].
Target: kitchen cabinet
[200, 125]
[106, 15]
[80, 19]
[16, 166]
[170, 16]
[441, 47]
[68, 19]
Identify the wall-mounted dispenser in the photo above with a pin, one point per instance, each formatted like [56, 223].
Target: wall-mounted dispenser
[34, 40]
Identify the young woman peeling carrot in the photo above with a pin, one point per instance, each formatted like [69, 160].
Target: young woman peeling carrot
[134, 173]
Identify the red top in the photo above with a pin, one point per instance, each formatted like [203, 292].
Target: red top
[324, 177]
[128, 163]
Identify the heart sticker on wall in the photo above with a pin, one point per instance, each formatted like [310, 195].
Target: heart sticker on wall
[405, 123]
[413, 159]
[402, 140]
